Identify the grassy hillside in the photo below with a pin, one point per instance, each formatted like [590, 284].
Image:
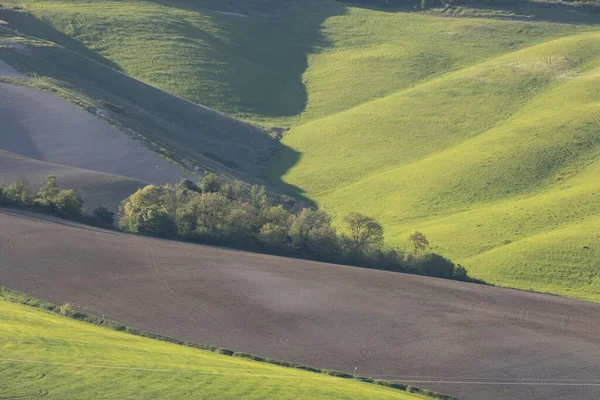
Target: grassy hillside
[42, 355]
[480, 132]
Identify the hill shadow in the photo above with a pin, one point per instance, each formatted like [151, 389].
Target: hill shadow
[256, 62]
[27, 24]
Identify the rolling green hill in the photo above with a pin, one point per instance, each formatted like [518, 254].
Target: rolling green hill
[480, 132]
[42, 354]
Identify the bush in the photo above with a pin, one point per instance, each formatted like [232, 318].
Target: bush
[68, 204]
[211, 183]
[434, 265]
[3, 198]
[104, 216]
[461, 273]
[66, 310]
[155, 220]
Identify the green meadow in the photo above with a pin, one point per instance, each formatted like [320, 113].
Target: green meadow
[480, 129]
[44, 354]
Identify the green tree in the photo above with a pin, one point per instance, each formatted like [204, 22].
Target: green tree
[132, 206]
[211, 183]
[234, 190]
[188, 185]
[276, 227]
[258, 197]
[365, 231]
[211, 210]
[17, 192]
[68, 204]
[155, 220]
[240, 224]
[419, 241]
[48, 191]
[311, 232]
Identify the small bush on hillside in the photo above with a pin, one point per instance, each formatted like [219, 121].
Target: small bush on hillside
[66, 310]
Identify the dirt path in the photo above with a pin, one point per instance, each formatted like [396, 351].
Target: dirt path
[473, 341]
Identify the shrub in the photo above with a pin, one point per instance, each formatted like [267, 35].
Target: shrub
[48, 192]
[211, 183]
[461, 273]
[155, 220]
[434, 265]
[104, 216]
[66, 310]
[68, 204]
[3, 198]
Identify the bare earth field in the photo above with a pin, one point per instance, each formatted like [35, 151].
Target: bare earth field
[472, 341]
[47, 128]
[95, 188]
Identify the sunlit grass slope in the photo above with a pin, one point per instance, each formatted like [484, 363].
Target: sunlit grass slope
[42, 354]
[480, 132]
[501, 152]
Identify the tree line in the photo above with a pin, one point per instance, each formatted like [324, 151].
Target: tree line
[229, 213]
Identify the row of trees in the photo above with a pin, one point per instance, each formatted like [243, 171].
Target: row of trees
[230, 214]
[234, 215]
[51, 199]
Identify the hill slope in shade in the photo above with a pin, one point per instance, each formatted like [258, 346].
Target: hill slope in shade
[95, 188]
[47, 128]
[41, 353]
[481, 133]
[389, 325]
[194, 135]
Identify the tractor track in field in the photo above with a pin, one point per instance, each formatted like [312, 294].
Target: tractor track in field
[462, 339]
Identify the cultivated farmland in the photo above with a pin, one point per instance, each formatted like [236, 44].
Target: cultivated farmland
[478, 128]
[467, 340]
[46, 128]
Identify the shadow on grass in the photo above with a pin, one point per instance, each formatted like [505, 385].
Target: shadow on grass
[29, 25]
[285, 159]
[256, 62]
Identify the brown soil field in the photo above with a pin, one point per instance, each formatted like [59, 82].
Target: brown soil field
[46, 128]
[471, 341]
[95, 188]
